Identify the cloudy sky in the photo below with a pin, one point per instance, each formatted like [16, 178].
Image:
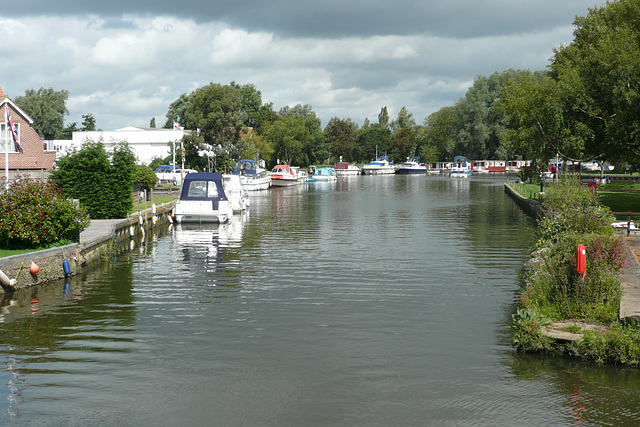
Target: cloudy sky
[126, 61]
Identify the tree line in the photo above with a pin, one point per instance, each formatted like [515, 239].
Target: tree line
[583, 107]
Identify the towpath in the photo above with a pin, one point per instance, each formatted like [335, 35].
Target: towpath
[630, 303]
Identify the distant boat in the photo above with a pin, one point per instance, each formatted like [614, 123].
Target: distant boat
[346, 168]
[460, 168]
[203, 199]
[412, 166]
[286, 176]
[380, 166]
[325, 174]
[253, 176]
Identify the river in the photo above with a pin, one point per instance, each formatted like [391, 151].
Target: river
[373, 301]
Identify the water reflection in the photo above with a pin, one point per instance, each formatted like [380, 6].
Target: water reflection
[372, 301]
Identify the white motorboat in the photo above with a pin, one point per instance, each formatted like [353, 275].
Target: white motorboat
[380, 166]
[461, 168]
[253, 175]
[203, 199]
[412, 166]
[346, 168]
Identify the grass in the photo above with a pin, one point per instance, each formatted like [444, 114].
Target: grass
[157, 200]
[621, 202]
[10, 252]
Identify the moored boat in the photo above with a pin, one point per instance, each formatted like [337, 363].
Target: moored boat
[203, 199]
[325, 174]
[346, 168]
[286, 176]
[460, 168]
[236, 193]
[253, 175]
[380, 166]
[412, 166]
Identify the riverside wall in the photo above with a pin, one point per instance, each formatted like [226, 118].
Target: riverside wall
[106, 239]
[531, 207]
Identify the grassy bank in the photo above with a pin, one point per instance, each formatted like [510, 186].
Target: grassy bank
[553, 292]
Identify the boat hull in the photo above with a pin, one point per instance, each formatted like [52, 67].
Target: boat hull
[280, 182]
[256, 184]
[378, 171]
[201, 212]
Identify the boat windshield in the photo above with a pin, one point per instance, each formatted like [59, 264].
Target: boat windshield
[202, 189]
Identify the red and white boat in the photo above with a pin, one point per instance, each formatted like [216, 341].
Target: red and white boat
[286, 176]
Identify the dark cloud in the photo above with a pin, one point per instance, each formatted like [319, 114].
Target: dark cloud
[338, 18]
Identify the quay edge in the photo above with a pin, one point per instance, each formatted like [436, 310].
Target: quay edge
[104, 238]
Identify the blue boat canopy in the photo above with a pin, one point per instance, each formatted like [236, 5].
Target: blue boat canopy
[245, 167]
[203, 186]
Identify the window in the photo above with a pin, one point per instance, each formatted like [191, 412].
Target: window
[6, 138]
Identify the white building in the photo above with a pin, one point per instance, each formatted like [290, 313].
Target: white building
[146, 143]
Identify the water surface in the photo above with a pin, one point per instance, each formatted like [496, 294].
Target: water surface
[376, 300]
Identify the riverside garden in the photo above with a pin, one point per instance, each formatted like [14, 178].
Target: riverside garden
[552, 291]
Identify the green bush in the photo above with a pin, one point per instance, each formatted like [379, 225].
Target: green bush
[35, 213]
[101, 184]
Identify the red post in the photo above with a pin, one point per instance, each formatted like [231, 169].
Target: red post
[581, 260]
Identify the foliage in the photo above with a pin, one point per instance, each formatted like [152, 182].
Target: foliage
[47, 108]
[101, 184]
[440, 132]
[88, 122]
[144, 177]
[341, 136]
[371, 140]
[571, 207]
[314, 147]
[35, 213]
[404, 144]
[528, 325]
[289, 136]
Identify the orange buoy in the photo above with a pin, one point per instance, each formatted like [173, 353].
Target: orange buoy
[581, 261]
[34, 269]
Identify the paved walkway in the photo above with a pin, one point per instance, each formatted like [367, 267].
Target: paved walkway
[99, 228]
[630, 303]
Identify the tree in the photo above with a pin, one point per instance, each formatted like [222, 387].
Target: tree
[405, 120]
[101, 182]
[372, 140]
[256, 146]
[47, 108]
[440, 132]
[315, 149]
[404, 143]
[289, 136]
[215, 113]
[383, 117]
[88, 122]
[144, 177]
[152, 123]
[340, 135]
[599, 77]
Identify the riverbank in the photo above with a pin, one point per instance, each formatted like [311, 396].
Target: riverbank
[101, 238]
[613, 341]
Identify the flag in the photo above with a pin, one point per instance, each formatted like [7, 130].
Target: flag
[12, 128]
[176, 126]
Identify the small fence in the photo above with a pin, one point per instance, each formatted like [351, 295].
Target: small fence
[526, 191]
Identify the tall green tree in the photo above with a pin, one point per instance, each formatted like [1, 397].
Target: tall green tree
[599, 76]
[88, 122]
[376, 139]
[440, 131]
[340, 134]
[289, 136]
[315, 148]
[47, 108]
[215, 114]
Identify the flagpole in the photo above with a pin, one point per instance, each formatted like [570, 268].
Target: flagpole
[6, 147]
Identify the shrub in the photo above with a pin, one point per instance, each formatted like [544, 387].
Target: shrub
[35, 213]
[102, 185]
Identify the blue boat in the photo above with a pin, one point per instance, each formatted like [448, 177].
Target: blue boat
[325, 174]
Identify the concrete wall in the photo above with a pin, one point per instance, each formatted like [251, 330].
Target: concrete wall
[80, 256]
[531, 207]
